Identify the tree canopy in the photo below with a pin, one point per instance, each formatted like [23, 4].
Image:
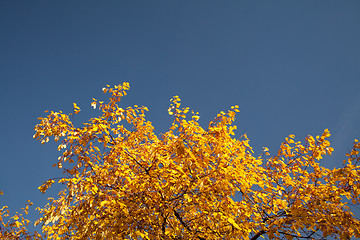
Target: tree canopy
[122, 181]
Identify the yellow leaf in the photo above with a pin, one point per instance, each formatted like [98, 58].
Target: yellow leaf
[18, 224]
[191, 154]
[196, 118]
[104, 203]
[76, 108]
[187, 198]
[232, 221]
[141, 234]
[94, 189]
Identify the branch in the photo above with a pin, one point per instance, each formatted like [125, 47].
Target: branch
[295, 236]
[258, 235]
[177, 215]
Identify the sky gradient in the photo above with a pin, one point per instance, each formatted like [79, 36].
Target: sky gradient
[293, 67]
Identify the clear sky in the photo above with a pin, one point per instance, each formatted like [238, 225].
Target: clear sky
[293, 67]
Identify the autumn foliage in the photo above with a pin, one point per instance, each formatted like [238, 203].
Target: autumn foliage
[122, 181]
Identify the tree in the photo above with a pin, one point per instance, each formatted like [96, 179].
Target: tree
[125, 182]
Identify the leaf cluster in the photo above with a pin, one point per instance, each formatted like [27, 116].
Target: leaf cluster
[125, 182]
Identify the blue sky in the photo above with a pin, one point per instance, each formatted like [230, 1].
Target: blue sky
[293, 67]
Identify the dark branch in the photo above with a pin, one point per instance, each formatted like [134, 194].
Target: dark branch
[177, 215]
[258, 235]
